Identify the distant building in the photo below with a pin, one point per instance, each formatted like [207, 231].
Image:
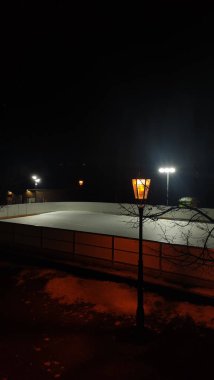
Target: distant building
[46, 195]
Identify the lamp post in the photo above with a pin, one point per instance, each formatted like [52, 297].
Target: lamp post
[167, 171]
[141, 190]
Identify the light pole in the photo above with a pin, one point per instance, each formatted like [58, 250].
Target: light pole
[141, 190]
[167, 171]
[36, 181]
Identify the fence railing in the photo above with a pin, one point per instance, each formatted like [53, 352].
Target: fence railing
[162, 257]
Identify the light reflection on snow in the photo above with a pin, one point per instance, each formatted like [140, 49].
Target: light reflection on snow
[120, 299]
[104, 296]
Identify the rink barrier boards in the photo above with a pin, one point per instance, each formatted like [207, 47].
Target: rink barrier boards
[162, 257]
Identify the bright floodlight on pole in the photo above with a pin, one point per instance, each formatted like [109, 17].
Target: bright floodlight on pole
[141, 190]
[167, 171]
[36, 179]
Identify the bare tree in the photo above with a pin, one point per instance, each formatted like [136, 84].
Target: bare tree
[196, 231]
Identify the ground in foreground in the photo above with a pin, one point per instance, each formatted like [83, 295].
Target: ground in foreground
[54, 325]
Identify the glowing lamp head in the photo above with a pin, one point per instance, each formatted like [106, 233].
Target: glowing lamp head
[81, 182]
[141, 188]
[167, 170]
[161, 170]
[36, 179]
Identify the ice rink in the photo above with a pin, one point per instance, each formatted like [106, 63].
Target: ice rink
[168, 231]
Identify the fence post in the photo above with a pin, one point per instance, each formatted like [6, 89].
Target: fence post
[160, 259]
[74, 242]
[112, 250]
[41, 238]
[13, 235]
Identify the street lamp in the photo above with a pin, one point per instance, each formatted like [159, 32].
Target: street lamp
[167, 171]
[141, 190]
[36, 180]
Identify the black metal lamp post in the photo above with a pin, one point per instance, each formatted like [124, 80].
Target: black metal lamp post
[141, 190]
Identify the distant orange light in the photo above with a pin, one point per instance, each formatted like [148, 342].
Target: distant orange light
[29, 193]
[141, 188]
[81, 182]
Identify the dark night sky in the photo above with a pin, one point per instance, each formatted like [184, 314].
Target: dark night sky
[107, 91]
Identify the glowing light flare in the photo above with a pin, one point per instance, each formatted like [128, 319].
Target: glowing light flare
[166, 170]
[141, 188]
[81, 182]
[36, 179]
[29, 193]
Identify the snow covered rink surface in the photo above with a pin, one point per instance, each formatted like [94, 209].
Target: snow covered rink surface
[165, 231]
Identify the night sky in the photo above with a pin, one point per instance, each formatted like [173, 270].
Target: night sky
[108, 93]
